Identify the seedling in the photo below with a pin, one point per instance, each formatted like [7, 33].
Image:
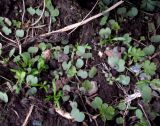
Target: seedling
[136, 54]
[106, 112]
[149, 67]
[56, 95]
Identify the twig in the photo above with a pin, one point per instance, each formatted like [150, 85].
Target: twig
[64, 114]
[49, 26]
[156, 54]
[8, 38]
[70, 27]
[44, 5]
[139, 42]
[24, 10]
[144, 114]
[19, 46]
[28, 115]
[85, 16]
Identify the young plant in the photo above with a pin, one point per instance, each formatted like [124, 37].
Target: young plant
[149, 67]
[136, 54]
[56, 95]
[75, 113]
[106, 112]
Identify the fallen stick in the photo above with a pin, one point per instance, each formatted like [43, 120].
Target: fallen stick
[70, 27]
[28, 115]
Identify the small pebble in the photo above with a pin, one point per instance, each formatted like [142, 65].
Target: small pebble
[36, 123]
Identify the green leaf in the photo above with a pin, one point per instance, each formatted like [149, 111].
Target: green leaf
[151, 27]
[155, 38]
[145, 91]
[92, 72]
[139, 114]
[132, 12]
[80, 50]
[11, 53]
[16, 23]
[148, 5]
[17, 58]
[1, 21]
[41, 64]
[6, 30]
[26, 57]
[103, 20]
[72, 71]
[107, 112]
[31, 11]
[66, 65]
[42, 46]
[96, 103]
[114, 25]
[149, 67]
[73, 104]
[66, 49]
[83, 74]
[3, 97]
[121, 11]
[136, 53]
[119, 120]
[33, 49]
[55, 13]
[79, 63]
[124, 80]
[116, 63]
[105, 33]
[121, 66]
[31, 91]
[20, 33]
[30, 79]
[87, 85]
[77, 115]
[122, 106]
[149, 50]
[38, 12]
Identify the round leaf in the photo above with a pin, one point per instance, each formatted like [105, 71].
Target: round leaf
[6, 30]
[42, 46]
[125, 80]
[83, 74]
[3, 97]
[31, 11]
[139, 114]
[121, 11]
[80, 50]
[96, 103]
[66, 49]
[105, 33]
[155, 38]
[11, 52]
[79, 63]
[20, 33]
[33, 49]
[32, 91]
[149, 50]
[119, 120]
[77, 115]
[31, 79]
[132, 12]
[92, 72]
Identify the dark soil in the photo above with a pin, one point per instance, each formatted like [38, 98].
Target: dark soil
[15, 112]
